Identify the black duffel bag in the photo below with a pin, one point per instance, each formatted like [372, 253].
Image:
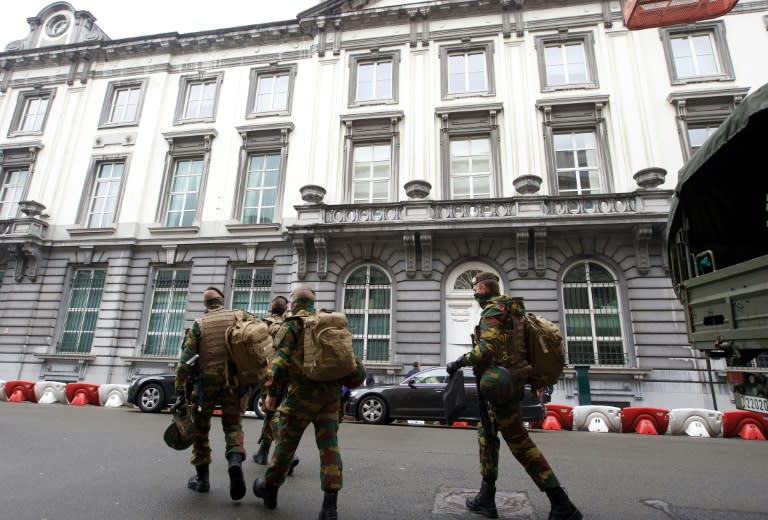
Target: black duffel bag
[454, 397]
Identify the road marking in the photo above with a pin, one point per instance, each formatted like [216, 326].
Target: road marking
[696, 513]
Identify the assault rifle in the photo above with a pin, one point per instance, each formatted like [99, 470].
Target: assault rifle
[484, 418]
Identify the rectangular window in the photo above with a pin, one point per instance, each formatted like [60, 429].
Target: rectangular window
[374, 80]
[82, 310]
[470, 167]
[566, 61]
[105, 194]
[252, 289]
[33, 114]
[698, 134]
[576, 161]
[261, 185]
[125, 105]
[13, 187]
[699, 53]
[184, 193]
[371, 173]
[272, 93]
[467, 70]
[200, 99]
[165, 332]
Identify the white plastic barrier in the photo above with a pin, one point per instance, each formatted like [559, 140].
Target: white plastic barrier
[596, 418]
[113, 395]
[3, 397]
[48, 392]
[695, 422]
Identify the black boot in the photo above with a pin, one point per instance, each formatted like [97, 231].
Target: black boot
[236, 479]
[485, 501]
[199, 482]
[260, 457]
[268, 492]
[328, 512]
[562, 507]
[294, 463]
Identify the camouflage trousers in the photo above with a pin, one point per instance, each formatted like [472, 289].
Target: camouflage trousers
[269, 426]
[216, 391]
[507, 421]
[300, 408]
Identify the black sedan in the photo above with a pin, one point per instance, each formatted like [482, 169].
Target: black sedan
[154, 393]
[420, 397]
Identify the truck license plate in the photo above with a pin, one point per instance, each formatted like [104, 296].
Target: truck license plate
[753, 404]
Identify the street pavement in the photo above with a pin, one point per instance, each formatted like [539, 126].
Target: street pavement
[63, 462]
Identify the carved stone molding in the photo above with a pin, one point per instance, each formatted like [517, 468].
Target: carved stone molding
[29, 260]
[170, 253]
[540, 251]
[84, 254]
[643, 234]
[301, 257]
[425, 240]
[521, 243]
[250, 252]
[322, 257]
[409, 241]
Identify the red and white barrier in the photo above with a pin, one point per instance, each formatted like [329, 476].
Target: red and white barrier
[80, 394]
[695, 422]
[751, 426]
[48, 392]
[19, 390]
[113, 395]
[645, 420]
[597, 418]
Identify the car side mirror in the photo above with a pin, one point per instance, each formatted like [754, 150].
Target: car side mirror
[412, 383]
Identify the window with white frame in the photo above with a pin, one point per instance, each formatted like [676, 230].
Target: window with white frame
[700, 113]
[368, 306]
[105, 194]
[271, 90]
[593, 330]
[469, 149]
[371, 172]
[261, 177]
[165, 330]
[566, 61]
[184, 193]
[575, 133]
[470, 167]
[13, 186]
[31, 112]
[184, 179]
[697, 52]
[198, 97]
[371, 165]
[578, 171]
[87, 287]
[374, 78]
[252, 289]
[467, 69]
[122, 103]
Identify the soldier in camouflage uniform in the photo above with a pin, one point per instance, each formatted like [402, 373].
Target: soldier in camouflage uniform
[500, 350]
[206, 338]
[306, 402]
[274, 319]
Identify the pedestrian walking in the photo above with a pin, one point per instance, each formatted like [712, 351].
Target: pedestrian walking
[499, 360]
[206, 338]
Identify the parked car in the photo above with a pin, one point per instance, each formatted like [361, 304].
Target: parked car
[154, 393]
[420, 397]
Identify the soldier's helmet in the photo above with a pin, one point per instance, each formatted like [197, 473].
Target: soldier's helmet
[180, 433]
[498, 385]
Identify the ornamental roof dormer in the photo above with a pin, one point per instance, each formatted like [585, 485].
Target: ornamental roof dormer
[59, 24]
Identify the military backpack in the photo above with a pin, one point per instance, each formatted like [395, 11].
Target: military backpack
[249, 345]
[327, 354]
[545, 350]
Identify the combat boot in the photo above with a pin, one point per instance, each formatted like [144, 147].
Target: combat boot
[562, 507]
[328, 512]
[294, 463]
[265, 491]
[260, 457]
[485, 501]
[199, 482]
[236, 479]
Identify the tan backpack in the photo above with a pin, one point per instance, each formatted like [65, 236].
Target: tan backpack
[328, 354]
[248, 345]
[546, 350]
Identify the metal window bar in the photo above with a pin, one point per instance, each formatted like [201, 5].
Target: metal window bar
[252, 289]
[87, 287]
[369, 308]
[169, 303]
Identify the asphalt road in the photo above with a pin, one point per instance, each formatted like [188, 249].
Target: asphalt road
[64, 462]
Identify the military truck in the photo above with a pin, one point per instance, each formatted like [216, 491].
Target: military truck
[717, 246]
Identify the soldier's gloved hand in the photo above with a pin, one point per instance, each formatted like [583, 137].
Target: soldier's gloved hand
[180, 401]
[453, 366]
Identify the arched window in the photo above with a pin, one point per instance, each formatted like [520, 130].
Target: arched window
[592, 322]
[464, 280]
[368, 305]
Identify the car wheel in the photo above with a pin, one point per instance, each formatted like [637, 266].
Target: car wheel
[257, 405]
[373, 410]
[151, 398]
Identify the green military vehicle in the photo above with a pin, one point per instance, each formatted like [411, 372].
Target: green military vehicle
[717, 246]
